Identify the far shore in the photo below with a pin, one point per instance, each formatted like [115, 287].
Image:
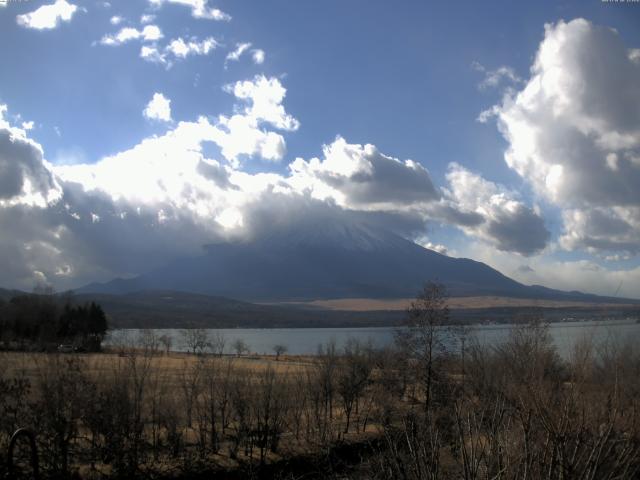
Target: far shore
[462, 303]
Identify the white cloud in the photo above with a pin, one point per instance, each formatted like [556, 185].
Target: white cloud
[147, 18]
[235, 54]
[116, 20]
[177, 49]
[199, 9]
[48, 16]
[493, 78]
[150, 53]
[149, 33]
[360, 177]
[574, 133]
[436, 247]
[602, 229]
[158, 108]
[258, 56]
[265, 97]
[241, 133]
[508, 223]
[488, 114]
[181, 49]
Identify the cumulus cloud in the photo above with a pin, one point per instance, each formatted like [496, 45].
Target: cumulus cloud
[181, 49]
[240, 134]
[116, 20]
[574, 133]
[507, 222]
[177, 48]
[131, 211]
[264, 97]
[117, 217]
[158, 108]
[602, 229]
[149, 33]
[24, 178]
[199, 9]
[48, 16]
[360, 177]
[28, 188]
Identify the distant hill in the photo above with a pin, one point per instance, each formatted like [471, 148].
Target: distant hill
[327, 261]
[8, 294]
[167, 309]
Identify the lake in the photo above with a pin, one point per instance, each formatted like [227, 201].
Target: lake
[305, 341]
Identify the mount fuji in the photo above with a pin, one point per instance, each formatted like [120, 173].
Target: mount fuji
[307, 261]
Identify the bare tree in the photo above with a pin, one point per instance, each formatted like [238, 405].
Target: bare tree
[190, 384]
[353, 377]
[149, 341]
[240, 347]
[166, 342]
[217, 344]
[195, 339]
[279, 350]
[421, 336]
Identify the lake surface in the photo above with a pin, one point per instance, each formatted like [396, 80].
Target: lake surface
[305, 341]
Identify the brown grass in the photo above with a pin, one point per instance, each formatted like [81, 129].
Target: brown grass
[169, 366]
[397, 304]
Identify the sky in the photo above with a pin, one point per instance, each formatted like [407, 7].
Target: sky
[134, 132]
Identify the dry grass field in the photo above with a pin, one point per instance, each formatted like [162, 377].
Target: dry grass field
[169, 367]
[175, 411]
[400, 304]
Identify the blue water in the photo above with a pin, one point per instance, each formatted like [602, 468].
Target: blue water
[305, 341]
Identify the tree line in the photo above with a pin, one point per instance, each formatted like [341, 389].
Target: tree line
[44, 321]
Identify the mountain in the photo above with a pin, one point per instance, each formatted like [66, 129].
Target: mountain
[328, 260]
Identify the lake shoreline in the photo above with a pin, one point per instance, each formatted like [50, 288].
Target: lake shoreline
[305, 341]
